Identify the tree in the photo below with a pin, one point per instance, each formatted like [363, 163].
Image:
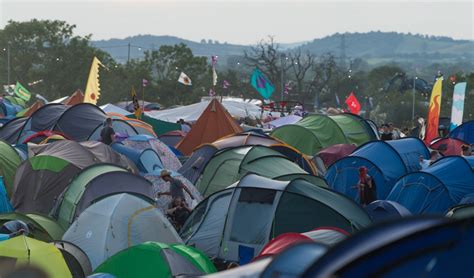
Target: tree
[301, 65]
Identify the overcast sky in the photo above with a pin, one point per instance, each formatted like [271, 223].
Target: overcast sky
[247, 21]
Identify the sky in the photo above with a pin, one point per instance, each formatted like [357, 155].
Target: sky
[246, 21]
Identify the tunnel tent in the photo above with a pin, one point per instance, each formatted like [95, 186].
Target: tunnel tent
[45, 228]
[11, 130]
[79, 121]
[42, 119]
[464, 132]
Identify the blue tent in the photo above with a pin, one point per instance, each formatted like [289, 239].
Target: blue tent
[385, 160]
[382, 210]
[5, 205]
[435, 189]
[146, 160]
[464, 132]
[426, 247]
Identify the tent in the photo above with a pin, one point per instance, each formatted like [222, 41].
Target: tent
[79, 121]
[228, 166]
[214, 123]
[121, 127]
[154, 259]
[194, 165]
[39, 181]
[76, 98]
[235, 224]
[117, 222]
[287, 120]
[159, 185]
[27, 112]
[172, 138]
[448, 146]
[142, 142]
[464, 132]
[76, 260]
[95, 183]
[5, 205]
[44, 137]
[384, 210]
[326, 235]
[42, 119]
[318, 131]
[10, 131]
[110, 108]
[426, 247]
[45, 228]
[461, 211]
[21, 250]
[333, 153]
[9, 162]
[191, 113]
[146, 160]
[386, 161]
[159, 127]
[138, 125]
[435, 189]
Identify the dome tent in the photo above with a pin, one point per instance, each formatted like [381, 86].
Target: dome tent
[117, 222]
[45, 228]
[249, 213]
[153, 259]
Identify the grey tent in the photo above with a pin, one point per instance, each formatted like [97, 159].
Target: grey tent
[10, 131]
[76, 260]
[80, 120]
[42, 119]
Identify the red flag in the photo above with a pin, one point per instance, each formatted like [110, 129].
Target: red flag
[353, 104]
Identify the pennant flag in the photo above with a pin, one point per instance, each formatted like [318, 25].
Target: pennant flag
[22, 92]
[214, 76]
[225, 84]
[353, 104]
[144, 82]
[433, 112]
[137, 110]
[92, 93]
[458, 105]
[184, 79]
[261, 83]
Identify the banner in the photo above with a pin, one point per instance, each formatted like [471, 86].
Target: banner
[92, 92]
[353, 104]
[136, 105]
[261, 83]
[433, 112]
[458, 105]
[22, 92]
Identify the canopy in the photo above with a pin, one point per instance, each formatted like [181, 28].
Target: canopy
[153, 259]
[435, 189]
[117, 222]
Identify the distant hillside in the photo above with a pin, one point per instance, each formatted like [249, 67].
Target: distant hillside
[373, 46]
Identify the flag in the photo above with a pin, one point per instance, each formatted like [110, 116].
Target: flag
[22, 92]
[144, 82]
[225, 84]
[353, 104]
[433, 112]
[261, 83]
[211, 92]
[184, 79]
[92, 93]
[214, 60]
[214, 76]
[458, 105]
[137, 110]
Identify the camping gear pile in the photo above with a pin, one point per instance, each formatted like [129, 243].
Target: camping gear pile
[260, 205]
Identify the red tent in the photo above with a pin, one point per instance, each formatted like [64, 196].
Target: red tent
[330, 154]
[214, 123]
[448, 146]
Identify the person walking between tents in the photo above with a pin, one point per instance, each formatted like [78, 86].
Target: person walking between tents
[366, 187]
[107, 134]
[176, 186]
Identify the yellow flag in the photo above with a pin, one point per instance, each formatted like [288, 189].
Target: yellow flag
[93, 86]
[433, 112]
[136, 106]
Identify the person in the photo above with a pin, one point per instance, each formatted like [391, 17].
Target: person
[366, 187]
[425, 163]
[185, 127]
[176, 186]
[15, 226]
[107, 134]
[386, 134]
[394, 131]
[178, 212]
[466, 150]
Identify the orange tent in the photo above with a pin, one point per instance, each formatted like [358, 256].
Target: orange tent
[76, 98]
[37, 105]
[214, 123]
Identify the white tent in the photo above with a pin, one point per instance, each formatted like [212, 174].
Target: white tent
[191, 113]
[116, 223]
[110, 108]
[290, 119]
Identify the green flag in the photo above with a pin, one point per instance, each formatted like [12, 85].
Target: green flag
[261, 83]
[22, 92]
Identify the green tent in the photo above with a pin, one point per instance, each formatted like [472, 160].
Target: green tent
[16, 101]
[73, 194]
[315, 132]
[307, 177]
[159, 127]
[153, 259]
[9, 162]
[45, 228]
[229, 165]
